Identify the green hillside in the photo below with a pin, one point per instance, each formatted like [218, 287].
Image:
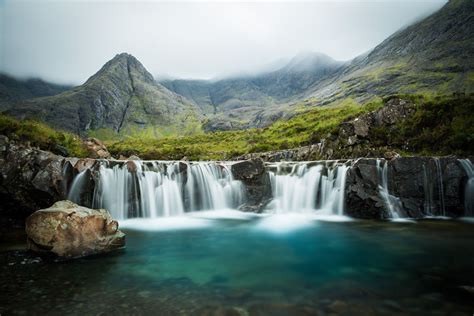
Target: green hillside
[439, 126]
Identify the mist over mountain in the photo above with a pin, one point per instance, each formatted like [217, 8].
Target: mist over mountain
[432, 56]
[244, 98]
[13, 90]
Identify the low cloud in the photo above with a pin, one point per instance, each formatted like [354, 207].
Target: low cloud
[69, 41]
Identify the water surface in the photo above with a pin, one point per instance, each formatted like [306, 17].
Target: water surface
[238, 264]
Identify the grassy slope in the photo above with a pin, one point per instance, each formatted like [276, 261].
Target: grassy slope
[41, 135]
[440, 126]
[300, 130]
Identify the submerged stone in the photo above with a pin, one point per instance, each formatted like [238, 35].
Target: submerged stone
[69, 230]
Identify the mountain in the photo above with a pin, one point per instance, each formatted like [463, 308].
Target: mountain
[433, 56]
[220, 96]
[122, 97]
[13, 90]
[257, 100]
[301, 72]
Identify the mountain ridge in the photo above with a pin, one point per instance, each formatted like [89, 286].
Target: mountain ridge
[13, 90]
[432, 56]
[121, 96]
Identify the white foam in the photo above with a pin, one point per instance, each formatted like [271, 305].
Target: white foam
[403, 220]
[467, 219]
[438, 217]
[224, 214]
[332, 218]
[283, 223]
[165, 223]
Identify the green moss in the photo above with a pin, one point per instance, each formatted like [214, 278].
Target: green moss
[41, 135]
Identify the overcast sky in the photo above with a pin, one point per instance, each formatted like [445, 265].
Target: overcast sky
[68, 41]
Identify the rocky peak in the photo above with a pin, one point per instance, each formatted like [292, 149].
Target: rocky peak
[122, 96]
[123, 67]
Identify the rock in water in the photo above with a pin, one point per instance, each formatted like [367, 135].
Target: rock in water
[69, 230]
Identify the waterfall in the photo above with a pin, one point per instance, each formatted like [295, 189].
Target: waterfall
[77, 187]
[429, 183]
[439, 176]
[211, 187]
[308, 188]
[392, 203]
[469, 187]
[428, 205]
[160, 189]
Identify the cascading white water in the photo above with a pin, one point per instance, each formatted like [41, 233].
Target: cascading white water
[428, 205]
[319, 188]
[77, 187]
[469, 187]
[429, 183]
[161, 189]
[392, 203]
[114, 191]
[211, 186]
[439, 176]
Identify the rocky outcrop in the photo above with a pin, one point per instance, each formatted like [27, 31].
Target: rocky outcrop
[96, 148]
[30, 179]
[395, 110]
[352, 140]
[257, 184]
[296, 154]
[71, 231]
[422, 185]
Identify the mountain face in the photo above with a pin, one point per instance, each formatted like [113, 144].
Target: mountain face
[262, 90]
[122, 96]
[434, 55]
[255, 101]
[300, 73]
[13, 90]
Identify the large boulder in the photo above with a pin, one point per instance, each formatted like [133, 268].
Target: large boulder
[71, 231]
